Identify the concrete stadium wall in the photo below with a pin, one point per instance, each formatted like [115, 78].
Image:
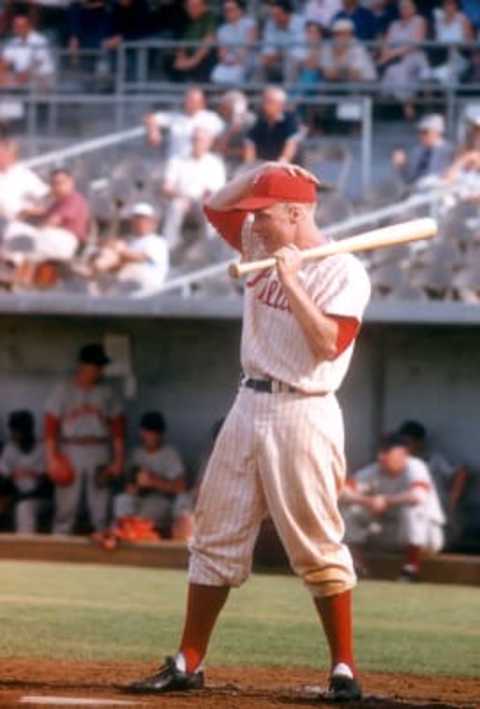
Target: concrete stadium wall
[189, 369]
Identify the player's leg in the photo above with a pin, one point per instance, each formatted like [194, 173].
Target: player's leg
[302, 471]
[67, 499]
[417, 536]
[228, 515]
[26, 516]
[97, 496]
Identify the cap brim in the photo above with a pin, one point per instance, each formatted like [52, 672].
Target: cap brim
[254, 204]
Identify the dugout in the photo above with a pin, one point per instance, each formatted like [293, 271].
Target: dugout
[415, 360]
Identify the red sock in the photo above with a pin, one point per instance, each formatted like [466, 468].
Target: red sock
[203, 608]
[414, 556]
[336, 615]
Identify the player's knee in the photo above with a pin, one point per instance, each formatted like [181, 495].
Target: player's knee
[330, 581]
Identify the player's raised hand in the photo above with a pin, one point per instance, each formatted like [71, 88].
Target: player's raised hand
[290, 168]
[289, 262]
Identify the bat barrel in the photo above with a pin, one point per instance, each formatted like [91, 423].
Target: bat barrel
[393, 235]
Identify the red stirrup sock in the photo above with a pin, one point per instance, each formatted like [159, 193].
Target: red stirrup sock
[203, 608]
[336, 615]
[414, 556]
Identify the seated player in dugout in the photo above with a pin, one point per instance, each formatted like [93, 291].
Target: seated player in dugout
[393, 505]
[281, 448]
[157, 488]
[22, 469]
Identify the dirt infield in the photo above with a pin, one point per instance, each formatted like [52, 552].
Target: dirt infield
[228, 688]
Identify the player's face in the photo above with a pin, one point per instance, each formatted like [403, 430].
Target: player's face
[89, 374]
[393, 461]
[274, 227]
[151, 440]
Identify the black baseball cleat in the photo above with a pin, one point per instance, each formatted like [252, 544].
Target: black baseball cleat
[168, 679]
[343, 688]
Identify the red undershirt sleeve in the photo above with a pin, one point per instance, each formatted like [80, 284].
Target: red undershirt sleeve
[52, 426]
[229, 224]
[348, 328]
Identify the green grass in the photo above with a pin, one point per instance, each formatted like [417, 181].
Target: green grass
[113, 613]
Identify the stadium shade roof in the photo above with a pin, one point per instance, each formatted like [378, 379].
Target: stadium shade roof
[220, 307]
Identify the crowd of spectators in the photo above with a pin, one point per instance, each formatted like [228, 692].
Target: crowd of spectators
[232, 42]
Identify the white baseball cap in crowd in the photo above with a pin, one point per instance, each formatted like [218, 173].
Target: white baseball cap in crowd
[473, 117]
[142, 209]
[343, 25]
[434, 121]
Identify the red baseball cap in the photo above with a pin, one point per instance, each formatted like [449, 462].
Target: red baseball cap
[277, 185]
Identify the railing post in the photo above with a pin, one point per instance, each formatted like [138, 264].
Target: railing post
[367, 119]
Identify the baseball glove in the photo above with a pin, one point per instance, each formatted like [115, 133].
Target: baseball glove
[61, 471]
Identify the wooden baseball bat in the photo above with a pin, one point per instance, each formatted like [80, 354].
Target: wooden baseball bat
[404, 233]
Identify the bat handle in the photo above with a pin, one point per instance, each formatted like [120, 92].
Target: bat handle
[239, 269]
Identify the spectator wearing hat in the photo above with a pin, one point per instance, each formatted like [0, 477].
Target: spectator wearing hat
[156, 488]
[137, 264]
[276, 134]
[365, 25]
[181, 124]
[432, 156]
[392, 504]
[282, 42]
[22, 464]
[235, 41]
[188, 182]
[344, 58]
[85, 428]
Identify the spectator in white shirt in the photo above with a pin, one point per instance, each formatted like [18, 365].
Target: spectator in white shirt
[283, 42]
[20, 188]
[26, 58]
[137, 265]
[188, 182]
[235, 60]
[322, 11]
[181, 124]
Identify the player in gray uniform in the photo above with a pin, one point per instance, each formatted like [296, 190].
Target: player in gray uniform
[157, 489]
[393, 504]
[85, 422]
[22, 462]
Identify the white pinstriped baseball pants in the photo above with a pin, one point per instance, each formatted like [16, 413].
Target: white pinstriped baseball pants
[280, 454]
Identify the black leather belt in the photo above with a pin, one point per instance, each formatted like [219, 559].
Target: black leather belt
[269, 386]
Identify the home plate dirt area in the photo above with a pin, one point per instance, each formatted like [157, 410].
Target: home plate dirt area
[99, 684]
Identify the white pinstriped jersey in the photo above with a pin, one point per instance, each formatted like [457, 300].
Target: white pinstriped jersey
[273, 343]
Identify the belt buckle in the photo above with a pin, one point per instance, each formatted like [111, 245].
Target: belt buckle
[276, 386]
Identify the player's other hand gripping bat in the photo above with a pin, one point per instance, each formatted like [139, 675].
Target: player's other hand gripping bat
[404, 233]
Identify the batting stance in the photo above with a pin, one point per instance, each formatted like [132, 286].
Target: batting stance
[280, 451]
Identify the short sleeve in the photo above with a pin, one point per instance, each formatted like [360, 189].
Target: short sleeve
[156, 250]
[346, 291]
[7, 461]
[174, 467]
[34, 186]
[56, 401]
[229, 225]
[418, 474]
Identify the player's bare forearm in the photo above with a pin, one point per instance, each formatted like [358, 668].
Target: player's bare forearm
[235, 190]
[320, 330]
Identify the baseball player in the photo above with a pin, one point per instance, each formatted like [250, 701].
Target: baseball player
[157, 489]
[84, 422]
[393, 504]
[280, 450]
